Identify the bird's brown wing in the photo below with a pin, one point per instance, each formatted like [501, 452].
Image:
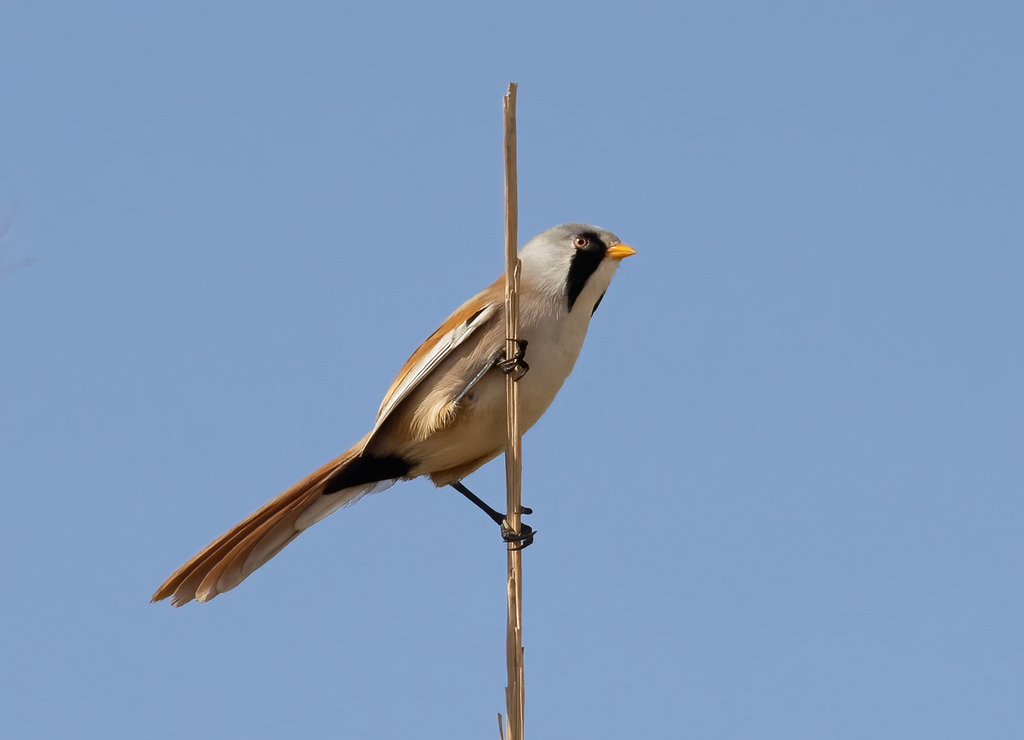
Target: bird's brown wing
[467, 319]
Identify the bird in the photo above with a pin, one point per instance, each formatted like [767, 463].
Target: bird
[444, 415]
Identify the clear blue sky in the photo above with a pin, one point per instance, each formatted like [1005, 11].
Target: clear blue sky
[782, 496]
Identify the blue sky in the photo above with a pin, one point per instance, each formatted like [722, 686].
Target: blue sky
[780, 496]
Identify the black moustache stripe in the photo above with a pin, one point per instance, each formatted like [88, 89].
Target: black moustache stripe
[583, 263]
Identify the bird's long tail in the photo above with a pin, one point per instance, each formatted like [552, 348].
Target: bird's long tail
[229, 559]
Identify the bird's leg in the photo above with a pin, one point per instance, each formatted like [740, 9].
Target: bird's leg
[517, 367]
[525, 537]
[517, 362]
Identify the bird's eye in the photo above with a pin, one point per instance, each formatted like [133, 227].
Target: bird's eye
[581, 242]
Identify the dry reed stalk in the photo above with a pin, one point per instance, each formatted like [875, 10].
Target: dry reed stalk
[514, 692]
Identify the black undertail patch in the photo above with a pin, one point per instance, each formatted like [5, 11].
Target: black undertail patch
[367, 469]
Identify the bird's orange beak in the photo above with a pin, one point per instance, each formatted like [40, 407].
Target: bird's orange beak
[619, 252]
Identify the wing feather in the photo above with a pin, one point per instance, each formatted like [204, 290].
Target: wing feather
[452, 333]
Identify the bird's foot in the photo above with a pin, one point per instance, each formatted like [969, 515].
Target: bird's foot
[526, 533]
[516, 365]
[523, 539]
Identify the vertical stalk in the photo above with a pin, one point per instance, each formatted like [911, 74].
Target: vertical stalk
[514, 692]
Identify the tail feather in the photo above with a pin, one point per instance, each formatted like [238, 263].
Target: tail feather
[254, 550]
[232, 557]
